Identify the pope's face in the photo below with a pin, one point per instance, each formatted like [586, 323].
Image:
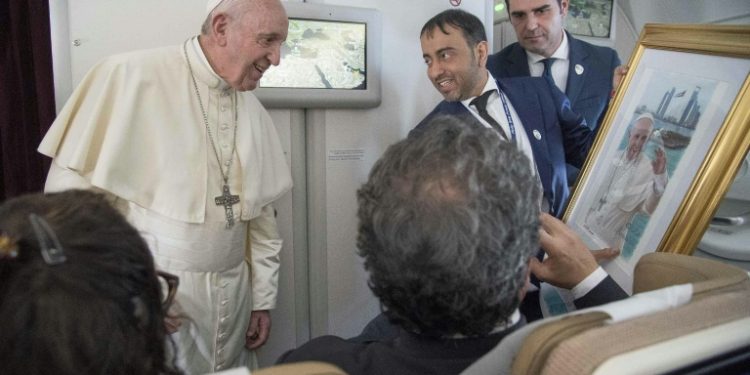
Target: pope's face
[456, 70]
[254, 44]
[638, 136]
[538, 24]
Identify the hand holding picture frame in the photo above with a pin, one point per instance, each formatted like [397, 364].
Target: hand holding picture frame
[669, 147]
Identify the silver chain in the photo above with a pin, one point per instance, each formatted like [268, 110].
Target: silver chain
[224, 175]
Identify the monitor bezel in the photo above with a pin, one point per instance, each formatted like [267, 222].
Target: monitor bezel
[275, 97]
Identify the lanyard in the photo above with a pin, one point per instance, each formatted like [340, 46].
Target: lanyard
[508, 116]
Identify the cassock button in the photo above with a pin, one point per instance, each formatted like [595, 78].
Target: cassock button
[579, 69]
[537, 135]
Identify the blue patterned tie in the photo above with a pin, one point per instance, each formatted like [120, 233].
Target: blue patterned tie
[547, 74]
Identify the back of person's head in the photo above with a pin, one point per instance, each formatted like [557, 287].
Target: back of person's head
[471, 27]
[78, 289]
[448, 221]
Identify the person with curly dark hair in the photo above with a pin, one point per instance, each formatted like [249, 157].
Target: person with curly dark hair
[79, 293]
[449, 224]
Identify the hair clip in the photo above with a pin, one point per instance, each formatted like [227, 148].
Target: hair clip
[139, 311]
[8, 247]
[52, 251]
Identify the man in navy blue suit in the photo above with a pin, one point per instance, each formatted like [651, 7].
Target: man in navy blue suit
[530, 112]
[584, 72]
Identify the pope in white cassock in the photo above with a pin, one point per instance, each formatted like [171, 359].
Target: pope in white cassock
[633, 184]
[193, 160]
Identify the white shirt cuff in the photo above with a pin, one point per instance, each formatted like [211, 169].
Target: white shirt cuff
[589, 283]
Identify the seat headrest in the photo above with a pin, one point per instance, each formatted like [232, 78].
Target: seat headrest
[584, 352]
[659, 270]
[676, 295]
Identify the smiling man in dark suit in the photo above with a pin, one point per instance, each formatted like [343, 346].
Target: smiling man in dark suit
[530, 112]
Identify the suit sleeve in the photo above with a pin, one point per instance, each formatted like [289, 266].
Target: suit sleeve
[262, 254]
[577, 136]
[420, 128]
[605, 292]
[614, 63]
[352, 358]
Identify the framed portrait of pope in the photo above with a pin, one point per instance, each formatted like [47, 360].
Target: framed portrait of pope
[670, 145]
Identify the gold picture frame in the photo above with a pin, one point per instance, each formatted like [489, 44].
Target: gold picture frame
[691, 83]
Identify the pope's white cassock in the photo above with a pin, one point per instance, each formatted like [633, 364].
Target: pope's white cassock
[629, 187]
[134, 129]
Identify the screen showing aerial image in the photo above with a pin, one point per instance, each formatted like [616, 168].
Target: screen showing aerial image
[589, 18]
[320, 54]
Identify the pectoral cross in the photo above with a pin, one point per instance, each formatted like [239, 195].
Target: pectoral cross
[226, 199]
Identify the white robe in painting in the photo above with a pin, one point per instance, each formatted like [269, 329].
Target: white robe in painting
[133, 129]
[629, 187]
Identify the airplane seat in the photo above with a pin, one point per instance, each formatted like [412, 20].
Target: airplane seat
[302, 368]
[299, 368]
[687, 315]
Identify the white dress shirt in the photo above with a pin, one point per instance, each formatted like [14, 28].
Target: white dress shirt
[559, 66]
[496, 110]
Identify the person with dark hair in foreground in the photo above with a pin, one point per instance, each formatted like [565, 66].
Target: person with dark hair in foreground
[79, 293]
[448, 227]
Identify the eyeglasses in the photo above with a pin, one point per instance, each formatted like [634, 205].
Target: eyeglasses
[167, 282]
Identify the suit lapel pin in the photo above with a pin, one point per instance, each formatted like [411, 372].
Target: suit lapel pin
[537, 135]
[579, 69]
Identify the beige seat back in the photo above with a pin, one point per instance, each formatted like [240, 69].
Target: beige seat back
[302, 368]
[679, 301]
[579, 344]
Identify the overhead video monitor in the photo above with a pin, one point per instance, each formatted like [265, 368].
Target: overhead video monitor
[331, 59]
